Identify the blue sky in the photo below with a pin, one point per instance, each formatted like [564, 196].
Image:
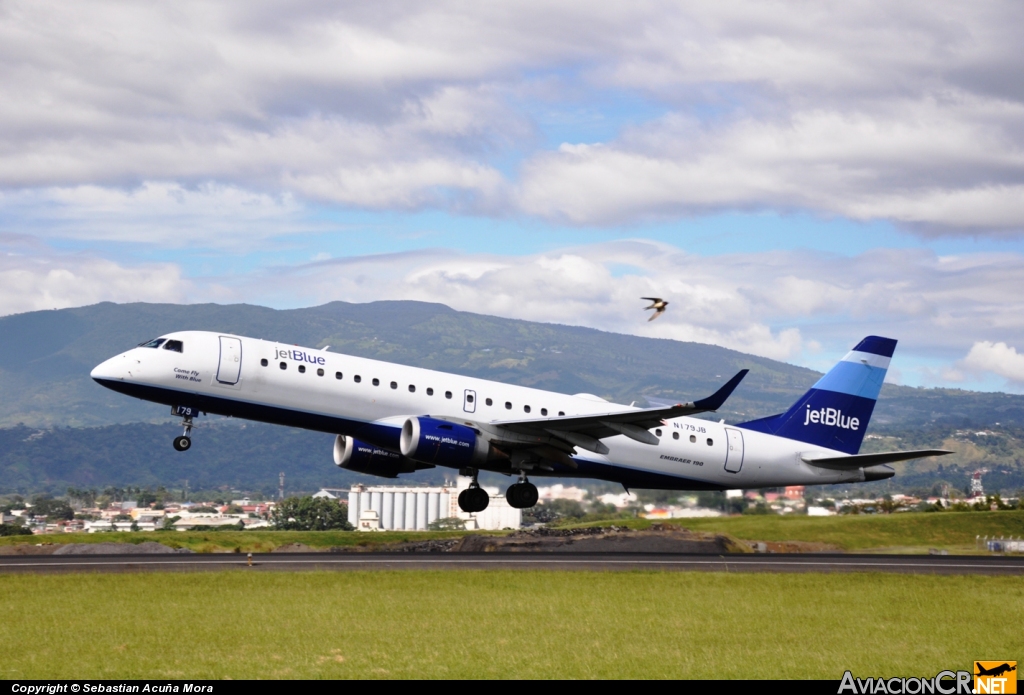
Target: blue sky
[791, 176]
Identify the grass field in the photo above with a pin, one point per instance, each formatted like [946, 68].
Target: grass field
[502, 624]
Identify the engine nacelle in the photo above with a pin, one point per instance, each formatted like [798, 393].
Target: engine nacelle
[443, 443]
[354, 455]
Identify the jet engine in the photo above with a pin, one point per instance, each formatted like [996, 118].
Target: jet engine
[444, 443]
[354, 455]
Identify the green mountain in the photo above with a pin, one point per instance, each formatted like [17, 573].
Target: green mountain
[76, 432]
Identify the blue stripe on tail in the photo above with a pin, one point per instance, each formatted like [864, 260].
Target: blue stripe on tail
[836, 411]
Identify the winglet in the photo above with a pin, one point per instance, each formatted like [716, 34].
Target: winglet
[715, 400]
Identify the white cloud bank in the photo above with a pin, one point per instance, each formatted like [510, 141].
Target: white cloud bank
[909, 113]
[997, 358]
[34, 279]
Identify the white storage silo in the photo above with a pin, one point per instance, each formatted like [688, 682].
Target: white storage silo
[421, 511]
[387, 517]
[399, 512]
[433, 503]
[410, 511]
[364, 501]
[353, 507]
[375, 501]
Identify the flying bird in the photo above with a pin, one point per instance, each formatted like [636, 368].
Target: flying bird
[658, 304]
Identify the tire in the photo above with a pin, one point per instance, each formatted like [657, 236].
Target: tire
[480, 499]
[182, 443]
[528, 495]
[465, 501]
[513, 495]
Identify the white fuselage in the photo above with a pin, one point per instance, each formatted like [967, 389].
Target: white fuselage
[371, 400]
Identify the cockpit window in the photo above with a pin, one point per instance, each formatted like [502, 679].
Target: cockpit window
[153, 343]
[175, 345]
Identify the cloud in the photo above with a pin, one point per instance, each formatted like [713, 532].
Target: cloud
[997, 358]
[859, 109]
[34, 278]
[921, 165]
[158, 213]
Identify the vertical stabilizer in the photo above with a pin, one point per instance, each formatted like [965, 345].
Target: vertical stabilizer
[836, 411]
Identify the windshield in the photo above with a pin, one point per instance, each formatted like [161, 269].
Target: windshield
[175, 345]
[153, 343]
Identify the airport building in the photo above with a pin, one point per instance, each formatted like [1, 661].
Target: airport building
[401, 508]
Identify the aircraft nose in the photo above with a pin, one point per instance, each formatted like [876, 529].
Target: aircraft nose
[114, 368]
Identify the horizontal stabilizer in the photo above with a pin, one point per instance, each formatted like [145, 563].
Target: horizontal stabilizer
[848, 463]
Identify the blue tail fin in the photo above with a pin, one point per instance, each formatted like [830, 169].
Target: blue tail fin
[835, 412]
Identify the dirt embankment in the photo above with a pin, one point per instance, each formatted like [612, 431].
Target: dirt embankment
[612, 539]
[147, 548]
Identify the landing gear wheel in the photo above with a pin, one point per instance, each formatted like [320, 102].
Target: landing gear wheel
[522, 495]
[182, 443]
[528, 495]
[474, 499]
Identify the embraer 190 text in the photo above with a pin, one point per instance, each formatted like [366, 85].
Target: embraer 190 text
[391, 419]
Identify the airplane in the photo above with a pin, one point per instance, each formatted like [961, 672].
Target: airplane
[995, 671]
[391, 419]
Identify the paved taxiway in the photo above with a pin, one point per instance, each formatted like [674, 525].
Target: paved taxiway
[914, 564]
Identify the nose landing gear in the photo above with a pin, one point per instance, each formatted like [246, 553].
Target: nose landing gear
[474, 498]
[184, 442]
[522, 495]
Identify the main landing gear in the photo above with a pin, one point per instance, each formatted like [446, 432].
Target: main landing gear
[474, 498]
[184, 442]
[522, 495]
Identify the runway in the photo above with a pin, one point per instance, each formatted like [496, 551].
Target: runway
[912, 564]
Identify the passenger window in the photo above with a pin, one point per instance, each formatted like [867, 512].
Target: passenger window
[337, 375]
[153, 343]
[302, 369]
[675, 435]
[526, 408]
[412, 389]
[264, 362]
[394, 384]
[357, 378]
[447, 394]
[469, 398]
[543, 411]
[376, 381]
[508, 406]
[693, 439]
[489, 402]
[561, 413]
[175, 346]
[711, 442]
[430, 391]
[657, 432]
[319, 372]
[284, 365]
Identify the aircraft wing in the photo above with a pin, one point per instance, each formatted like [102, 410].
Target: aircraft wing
[849, 463]
[586, 431]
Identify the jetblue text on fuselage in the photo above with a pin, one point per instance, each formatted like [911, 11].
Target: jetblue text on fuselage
[831, 417]
[299, 356]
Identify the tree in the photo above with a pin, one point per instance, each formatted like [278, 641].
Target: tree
[52, 509]
[311, 514]
[14, 530]
[451, 523]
